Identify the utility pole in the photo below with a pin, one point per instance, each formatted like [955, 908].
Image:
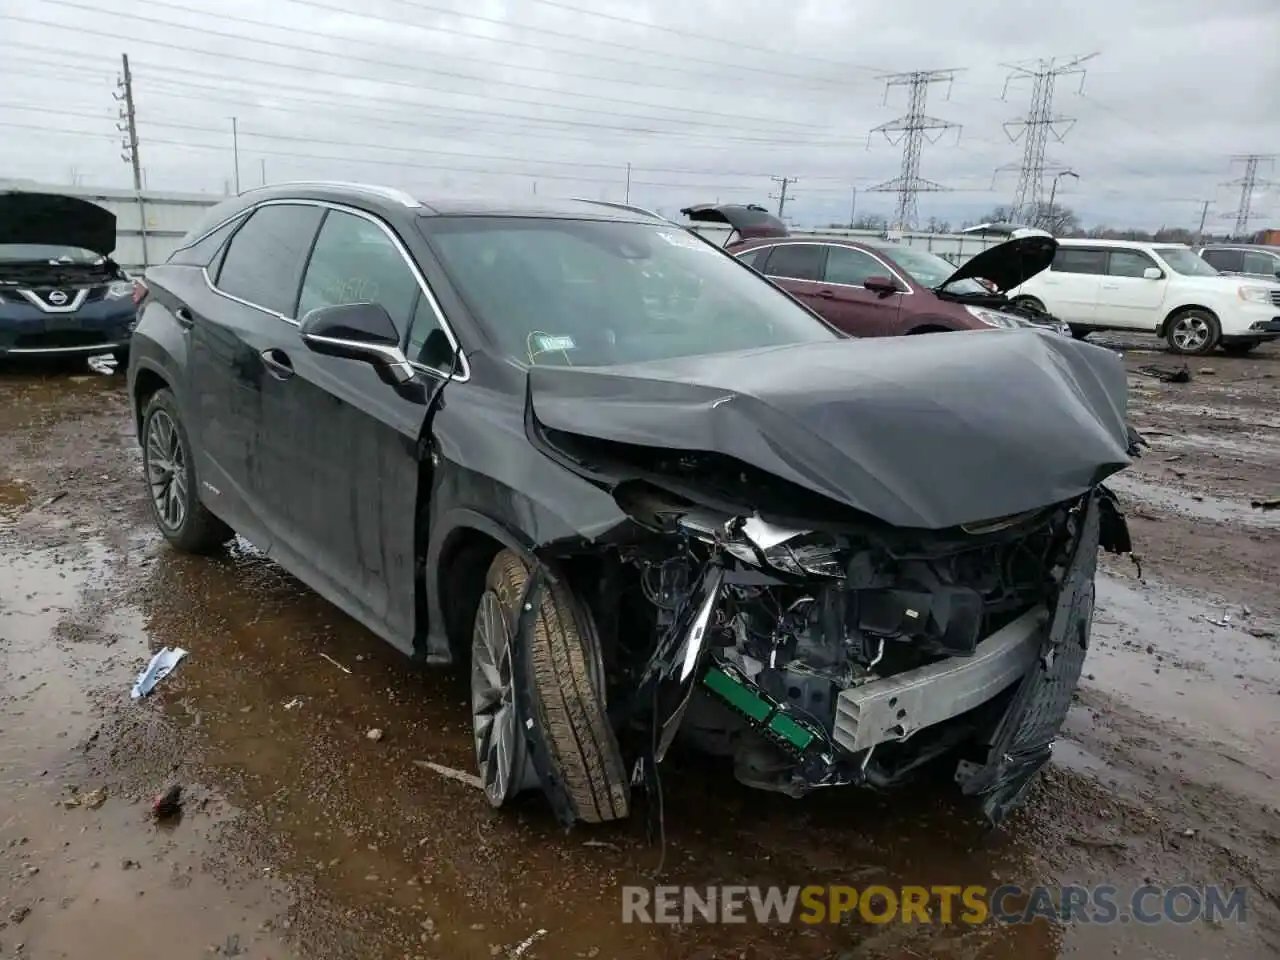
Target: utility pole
[235, 150]
[129, 119]
[1204, 213]
[853, 206]
[912, 131]
[1040, 124]
[781, 196]
[262, 163]
[628, 194]
[1247, 184]
[1052, 214]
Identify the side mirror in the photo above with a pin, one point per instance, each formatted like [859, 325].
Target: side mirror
[881, 285]
[1153, 273]
[357, 331]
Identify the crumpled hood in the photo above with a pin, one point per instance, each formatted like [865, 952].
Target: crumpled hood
[925, 432]
[50, 218]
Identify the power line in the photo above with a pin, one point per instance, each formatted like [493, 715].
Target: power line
[737, 45]
[1248, 183]
[912, 129]
[412, 85]
[1039, 125]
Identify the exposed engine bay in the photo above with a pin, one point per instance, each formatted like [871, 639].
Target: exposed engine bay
[818, 659]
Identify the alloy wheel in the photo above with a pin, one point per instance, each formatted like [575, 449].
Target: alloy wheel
[1190, 333]
[496, 723]
[167, 474]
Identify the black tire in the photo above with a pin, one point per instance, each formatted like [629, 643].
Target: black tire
[1179, 327]
[1240, 348]
[566, 679]
[1031, 303]
[196, 530]
[1079, 332]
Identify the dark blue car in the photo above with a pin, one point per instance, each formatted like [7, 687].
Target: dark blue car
[61, 294]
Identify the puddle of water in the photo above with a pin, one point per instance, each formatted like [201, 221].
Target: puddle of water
[1156, 653]
[14, 495]
[1217, 509]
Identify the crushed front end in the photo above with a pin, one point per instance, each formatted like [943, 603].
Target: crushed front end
[819, 658]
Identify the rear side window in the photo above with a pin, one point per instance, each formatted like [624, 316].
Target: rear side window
[203, 252]
[797, 261]
[1231, 261]
[263, 262]
[1077, 260]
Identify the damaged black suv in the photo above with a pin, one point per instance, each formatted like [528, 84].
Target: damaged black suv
[640, 490]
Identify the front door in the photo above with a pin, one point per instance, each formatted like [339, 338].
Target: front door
[854, 308]
[346, 440]
[1128, 298]
[255, 287]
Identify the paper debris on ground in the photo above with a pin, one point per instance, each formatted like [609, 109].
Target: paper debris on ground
[161, 666]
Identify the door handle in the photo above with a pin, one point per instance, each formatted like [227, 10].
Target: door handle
[277, 363]
[184, 318]
[826, 294]
[1111, 286]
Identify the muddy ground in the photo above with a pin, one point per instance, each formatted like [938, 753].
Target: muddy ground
[301, 837]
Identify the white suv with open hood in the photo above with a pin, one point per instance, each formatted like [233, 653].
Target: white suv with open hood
[1161, 288]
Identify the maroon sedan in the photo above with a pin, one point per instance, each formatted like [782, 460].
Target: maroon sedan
[878, 288]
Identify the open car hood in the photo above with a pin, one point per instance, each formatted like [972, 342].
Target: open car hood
[919, 432]
[50, 218]
[749, 220]
[1009, 264]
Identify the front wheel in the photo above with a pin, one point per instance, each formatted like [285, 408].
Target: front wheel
[167, 465]
[1078, 331]
[1193, 332]
[565, 680]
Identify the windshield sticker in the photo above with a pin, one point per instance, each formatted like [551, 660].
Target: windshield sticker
[547, 343]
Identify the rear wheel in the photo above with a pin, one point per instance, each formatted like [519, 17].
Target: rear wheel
[1030, 303]
[566, 685]
[1193, 331]
[1078, 331]
[1240, 348]
[170, 474]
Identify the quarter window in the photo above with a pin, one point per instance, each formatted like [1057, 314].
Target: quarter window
[354, 261]
[755, 258]
[797, 261]
[263, 262]
[852, 267]
[1077, 260]
[204, 251]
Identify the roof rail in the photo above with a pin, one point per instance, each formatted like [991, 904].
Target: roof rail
[623, 206]
[386, 193]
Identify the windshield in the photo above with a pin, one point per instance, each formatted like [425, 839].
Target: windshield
[593, 293]
[44, 252]
[1183, 261]
[929, 269]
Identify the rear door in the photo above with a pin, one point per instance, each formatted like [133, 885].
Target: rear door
[1070, 287]
[852, 307]
[1127, 298]
[799, 268]
[255, 285]
[343, 469]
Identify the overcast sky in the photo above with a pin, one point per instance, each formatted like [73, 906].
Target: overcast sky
[706, 100]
